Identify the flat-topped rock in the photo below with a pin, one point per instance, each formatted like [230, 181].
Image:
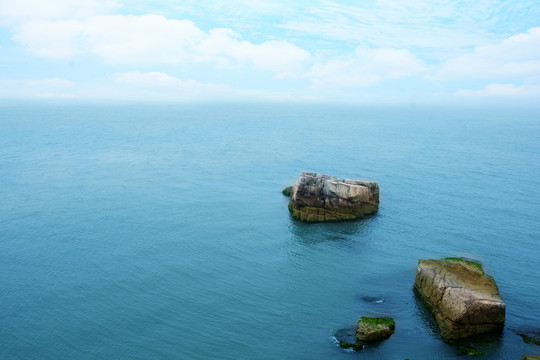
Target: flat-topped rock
[318, 197]
[462, 298]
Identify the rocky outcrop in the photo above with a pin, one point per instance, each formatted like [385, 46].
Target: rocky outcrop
[463, 299]
[317, 197]
[371, 329]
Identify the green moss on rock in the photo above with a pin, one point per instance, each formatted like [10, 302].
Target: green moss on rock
[348, 345]
[379, 321]
[370, 329]
[530, 339]
[475, 264]
[287, 191]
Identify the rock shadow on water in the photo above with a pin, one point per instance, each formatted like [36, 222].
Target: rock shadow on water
[344, 232]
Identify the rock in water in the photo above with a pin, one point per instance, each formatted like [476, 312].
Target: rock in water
[530, 357]
[463, 299]
[374, 329]
[318, 197]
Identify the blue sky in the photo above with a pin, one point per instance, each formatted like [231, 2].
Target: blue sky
[386, 51]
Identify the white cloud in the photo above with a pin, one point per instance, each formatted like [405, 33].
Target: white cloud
[146, 39]
[162, 81]
[50, 82]
[503, 90]
[154, 39]
[17, 11]
[438, 27]
[162, 86]
[517, 57]
[225, 47]
[366, 67]
[51, 39]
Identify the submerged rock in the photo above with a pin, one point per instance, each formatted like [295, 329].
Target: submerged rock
[530, 357]
[318, 197]
[470, 351]
[530, 338]
[374, 329]
[347, 345]
[372, 299]
[463, 299]
[346, 339]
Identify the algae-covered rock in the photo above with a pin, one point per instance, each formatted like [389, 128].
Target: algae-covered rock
[346, 338]
[371, 329]
[349, 345]
[462, 298]
[317, 198]
[287, 191]
[530, 357]
[530, 338]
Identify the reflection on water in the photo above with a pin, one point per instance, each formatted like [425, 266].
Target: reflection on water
[344, 232]
[424, 315]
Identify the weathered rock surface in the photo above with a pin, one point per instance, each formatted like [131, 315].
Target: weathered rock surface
[371, 329]
[463, 299]
[318, 197]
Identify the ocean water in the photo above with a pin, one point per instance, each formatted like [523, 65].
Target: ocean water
[155, 231]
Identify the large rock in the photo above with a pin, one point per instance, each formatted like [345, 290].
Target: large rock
[371, 329]
[463, 299]
[317, 197]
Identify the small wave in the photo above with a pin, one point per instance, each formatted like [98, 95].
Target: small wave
[373, 299]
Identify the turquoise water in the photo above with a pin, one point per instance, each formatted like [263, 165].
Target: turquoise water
[133, 231]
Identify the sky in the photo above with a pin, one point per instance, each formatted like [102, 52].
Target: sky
[364, 51]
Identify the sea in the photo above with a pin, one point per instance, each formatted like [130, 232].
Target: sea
[159, 230]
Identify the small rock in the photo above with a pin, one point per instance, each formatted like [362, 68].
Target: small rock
[374, 329]
[530, 357]
[287, 191]
[348, 345]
